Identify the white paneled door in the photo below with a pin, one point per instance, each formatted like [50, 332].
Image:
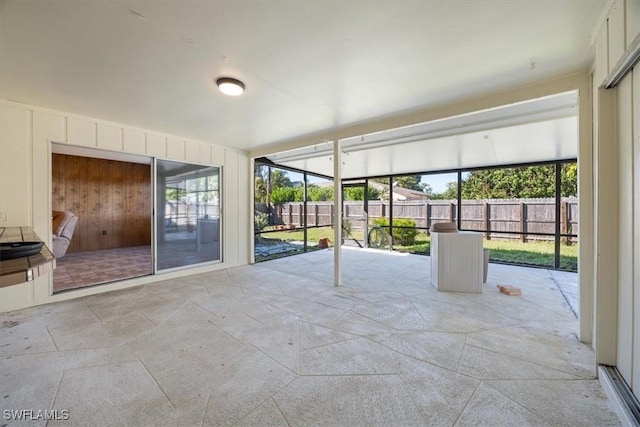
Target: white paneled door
[628, 130]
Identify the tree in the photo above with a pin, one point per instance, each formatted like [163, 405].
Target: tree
[450, 193]
[286, 194]
[320, 194]
[357, 193]
[426, 188]
[261, 171]
[522, 182]
[279, 178]
[260, 190]
[265, 185]
[260, 183]
[569, 186]
[412, 182]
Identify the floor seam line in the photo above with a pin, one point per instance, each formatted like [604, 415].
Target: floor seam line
[91, 310]
[464, 408]
[170, 314]
[157, 383]
[419, 360]
[520, 404]
[524, 360]
[553, 279]
[55, 395]
[280, 410]
[403, 385]
[298, 344]
[206, 408]
[52, 340]
[355, 337]
[464, 346]
[274, 359]
[376, 374]
[226, 333]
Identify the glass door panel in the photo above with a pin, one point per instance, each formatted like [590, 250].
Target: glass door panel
[187, 213]
[354, 213]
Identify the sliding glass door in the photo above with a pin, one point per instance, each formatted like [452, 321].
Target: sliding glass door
[188, 214]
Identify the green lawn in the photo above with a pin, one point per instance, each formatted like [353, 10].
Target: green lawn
[535, 253]
[313, 235]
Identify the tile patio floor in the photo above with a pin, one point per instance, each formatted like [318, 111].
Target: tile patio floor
[76, 270]
[275, 344]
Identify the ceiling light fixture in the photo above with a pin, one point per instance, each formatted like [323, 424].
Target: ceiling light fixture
[230, 86]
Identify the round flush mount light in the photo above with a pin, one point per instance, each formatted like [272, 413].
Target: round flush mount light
[230, 86]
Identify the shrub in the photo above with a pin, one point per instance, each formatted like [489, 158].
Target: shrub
[402, 236]
[285, 194]
[260, 221]
[346, 227]
[357, 193]
[320, 194]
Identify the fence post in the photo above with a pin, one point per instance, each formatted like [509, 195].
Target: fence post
[487, 219]
[315, 216]
[428, 215]
[485, 212]
[423, 214]
[332, 205]
[290, 214]
[523, 222]
[563, 221]
[301, 213]
[452, 211]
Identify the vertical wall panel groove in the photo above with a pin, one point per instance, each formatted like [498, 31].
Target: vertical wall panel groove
[94, 202]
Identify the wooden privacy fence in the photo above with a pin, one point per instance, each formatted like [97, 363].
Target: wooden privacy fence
[496, 218]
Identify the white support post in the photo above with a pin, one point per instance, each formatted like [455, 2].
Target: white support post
[252, 215]
[586, 258]
[337, 213]
[605, 338]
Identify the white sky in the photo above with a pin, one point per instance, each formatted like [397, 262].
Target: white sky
[438, 182]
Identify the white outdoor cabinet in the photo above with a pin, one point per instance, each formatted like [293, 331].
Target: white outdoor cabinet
[457, 261]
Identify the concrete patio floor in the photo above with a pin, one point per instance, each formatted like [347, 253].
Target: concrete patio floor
[276, 344]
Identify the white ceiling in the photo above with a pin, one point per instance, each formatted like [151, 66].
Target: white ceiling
[308, 66]
[532, 131]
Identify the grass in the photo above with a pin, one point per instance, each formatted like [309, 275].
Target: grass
[516, 252]
[533, 253]
[313, 235]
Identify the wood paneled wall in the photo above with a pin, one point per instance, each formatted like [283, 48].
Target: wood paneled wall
[112, 200]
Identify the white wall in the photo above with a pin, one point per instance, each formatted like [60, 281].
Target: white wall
[617, 200]
[25, 183]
